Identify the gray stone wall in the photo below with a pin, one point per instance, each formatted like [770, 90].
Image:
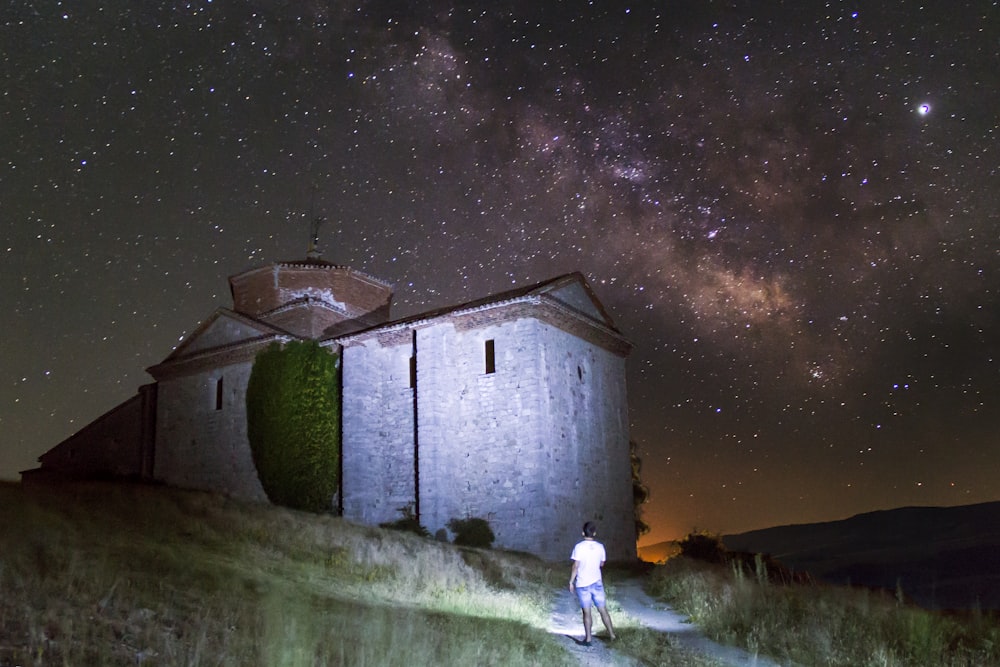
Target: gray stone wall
[378, 458]
[479, 433]
[588, 471]
[199, 446]
[536, 448]
[535, 441]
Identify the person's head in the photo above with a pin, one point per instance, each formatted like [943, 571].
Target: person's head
[589, 529]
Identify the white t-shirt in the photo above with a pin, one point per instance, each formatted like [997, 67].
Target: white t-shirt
[590, 554]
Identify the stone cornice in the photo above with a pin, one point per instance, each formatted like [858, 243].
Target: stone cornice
[541, 307]
[304, 301]
[312, 265]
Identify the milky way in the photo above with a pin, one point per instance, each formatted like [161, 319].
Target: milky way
[792, 212]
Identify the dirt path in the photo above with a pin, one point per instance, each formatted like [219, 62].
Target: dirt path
[628, 594]
[567, 625]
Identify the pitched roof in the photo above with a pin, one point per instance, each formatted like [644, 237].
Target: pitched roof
[545, 287]
[201, 349]
[259, 328]
[569, 292]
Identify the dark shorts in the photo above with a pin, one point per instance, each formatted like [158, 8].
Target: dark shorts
[591, 595]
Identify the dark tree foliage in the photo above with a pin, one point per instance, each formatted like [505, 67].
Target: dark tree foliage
[640, 492]
[293, 424]
[472, 532]
[704, 547]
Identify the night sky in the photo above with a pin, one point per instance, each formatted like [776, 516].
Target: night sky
[792, 209]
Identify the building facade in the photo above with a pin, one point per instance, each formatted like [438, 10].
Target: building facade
[512, 408]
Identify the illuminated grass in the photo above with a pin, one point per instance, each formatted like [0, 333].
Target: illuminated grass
[108, 574]
[102, 574]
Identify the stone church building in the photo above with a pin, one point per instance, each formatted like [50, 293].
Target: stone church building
[511, 408]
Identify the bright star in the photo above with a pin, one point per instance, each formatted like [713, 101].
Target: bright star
[924, 109]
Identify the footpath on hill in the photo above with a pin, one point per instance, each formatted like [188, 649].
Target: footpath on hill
[567, 624]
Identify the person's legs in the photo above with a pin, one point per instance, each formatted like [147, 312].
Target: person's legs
[593, 595]
[606, 619]
[585, 595]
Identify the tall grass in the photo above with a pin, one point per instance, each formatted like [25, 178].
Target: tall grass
[108, 574]
[811, 624]
[113, 574]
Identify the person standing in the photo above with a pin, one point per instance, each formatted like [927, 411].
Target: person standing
[586, 582]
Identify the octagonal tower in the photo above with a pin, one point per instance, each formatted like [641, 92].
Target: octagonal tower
[312, 298]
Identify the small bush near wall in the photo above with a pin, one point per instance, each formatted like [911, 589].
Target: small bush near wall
[408, 522]
[472, 532]
[293, 413]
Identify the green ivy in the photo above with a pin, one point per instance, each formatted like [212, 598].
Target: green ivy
[293, 424]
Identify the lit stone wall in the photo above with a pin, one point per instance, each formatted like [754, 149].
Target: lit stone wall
[479, 433]
[588, 471]
[199, 446]
[378, 460]
[536, 447]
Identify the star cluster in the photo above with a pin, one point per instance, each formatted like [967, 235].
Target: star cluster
[791, 211]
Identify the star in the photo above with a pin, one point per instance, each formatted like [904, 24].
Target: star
[733, 182]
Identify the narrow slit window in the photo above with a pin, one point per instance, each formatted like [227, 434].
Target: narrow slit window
[218, 394]
[491, 357]
[413, 372]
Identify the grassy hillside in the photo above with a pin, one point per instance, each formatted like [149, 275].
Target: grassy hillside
[103, 574]
[117, 574]
[753, 601]
[114, 574]
[941, 557]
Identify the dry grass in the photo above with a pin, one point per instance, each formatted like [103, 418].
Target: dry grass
[105, 574]
[811, 624]
[110, 574]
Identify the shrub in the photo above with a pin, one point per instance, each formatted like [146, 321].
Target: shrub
[293, 413]
[408, 522]
[703, 547]
[472, 532]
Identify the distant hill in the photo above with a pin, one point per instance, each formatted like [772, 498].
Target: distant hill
[941, 557]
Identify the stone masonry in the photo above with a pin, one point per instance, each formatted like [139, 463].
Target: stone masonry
[512, 408]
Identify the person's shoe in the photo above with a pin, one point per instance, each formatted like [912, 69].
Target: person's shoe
[585, 642]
